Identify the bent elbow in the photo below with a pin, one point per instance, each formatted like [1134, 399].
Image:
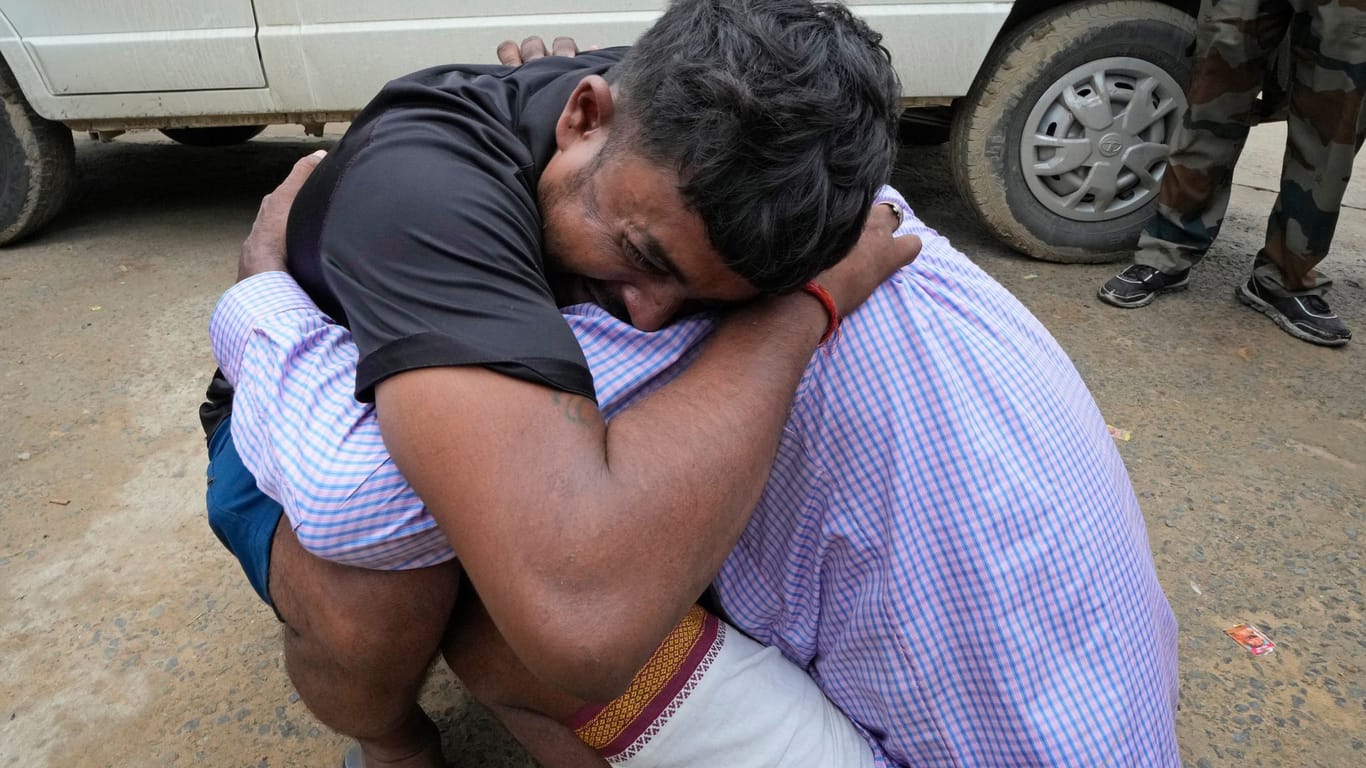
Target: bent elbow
[587, 637]
[595, 685]
[585, 661]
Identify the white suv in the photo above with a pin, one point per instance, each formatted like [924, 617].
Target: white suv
[1058, 112]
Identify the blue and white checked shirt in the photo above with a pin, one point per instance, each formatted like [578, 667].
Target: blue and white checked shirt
[948, 543]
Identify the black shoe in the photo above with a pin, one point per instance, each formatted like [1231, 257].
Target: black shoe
[1304, 317]
[1139, 284]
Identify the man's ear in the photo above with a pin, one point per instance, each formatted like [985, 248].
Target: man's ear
[587, 113]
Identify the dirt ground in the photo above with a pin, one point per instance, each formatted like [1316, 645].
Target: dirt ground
[129, 638]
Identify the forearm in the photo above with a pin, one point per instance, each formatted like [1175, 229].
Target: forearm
[700, 449]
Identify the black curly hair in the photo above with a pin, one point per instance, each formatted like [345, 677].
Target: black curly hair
[780, 117]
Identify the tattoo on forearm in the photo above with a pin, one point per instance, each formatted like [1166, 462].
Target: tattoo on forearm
[576, 410]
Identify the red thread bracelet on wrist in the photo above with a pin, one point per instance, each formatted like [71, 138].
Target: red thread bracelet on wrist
[832, 312]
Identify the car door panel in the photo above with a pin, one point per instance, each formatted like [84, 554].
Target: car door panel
[137, 46]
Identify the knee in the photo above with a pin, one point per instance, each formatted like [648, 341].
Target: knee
[361, 617]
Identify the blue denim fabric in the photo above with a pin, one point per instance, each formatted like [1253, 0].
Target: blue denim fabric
[241, 516]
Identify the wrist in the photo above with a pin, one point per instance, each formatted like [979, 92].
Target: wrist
[832, 313]
[254, 262]
[256, 258]
[795, 318]
[245, 271]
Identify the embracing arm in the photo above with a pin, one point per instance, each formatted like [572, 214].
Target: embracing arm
[308, 442]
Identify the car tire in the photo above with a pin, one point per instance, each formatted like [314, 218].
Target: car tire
[37, 164]
[215, 136]
[1055, 166]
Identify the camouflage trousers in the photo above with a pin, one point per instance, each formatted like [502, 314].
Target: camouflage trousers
[1235, 43]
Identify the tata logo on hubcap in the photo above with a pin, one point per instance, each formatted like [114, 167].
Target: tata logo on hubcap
[1111, 144]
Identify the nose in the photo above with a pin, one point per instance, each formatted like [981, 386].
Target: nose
[652, 306]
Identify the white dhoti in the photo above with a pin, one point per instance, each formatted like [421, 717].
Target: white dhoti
[710, 696]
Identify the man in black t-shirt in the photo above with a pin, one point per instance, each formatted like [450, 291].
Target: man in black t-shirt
[731, 156]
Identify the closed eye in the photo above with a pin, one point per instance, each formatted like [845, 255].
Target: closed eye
[640, 261]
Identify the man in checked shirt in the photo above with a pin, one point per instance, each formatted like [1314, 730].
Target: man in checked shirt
[944, 481]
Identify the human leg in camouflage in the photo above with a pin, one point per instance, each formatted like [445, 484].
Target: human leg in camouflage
[1325, 131]
[1326, 125]
[1327, 122]
[1234, 43]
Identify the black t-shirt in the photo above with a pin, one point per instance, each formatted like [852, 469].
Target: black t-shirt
[421, 231]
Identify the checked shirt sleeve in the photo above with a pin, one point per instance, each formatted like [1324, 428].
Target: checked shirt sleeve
[300, 431]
